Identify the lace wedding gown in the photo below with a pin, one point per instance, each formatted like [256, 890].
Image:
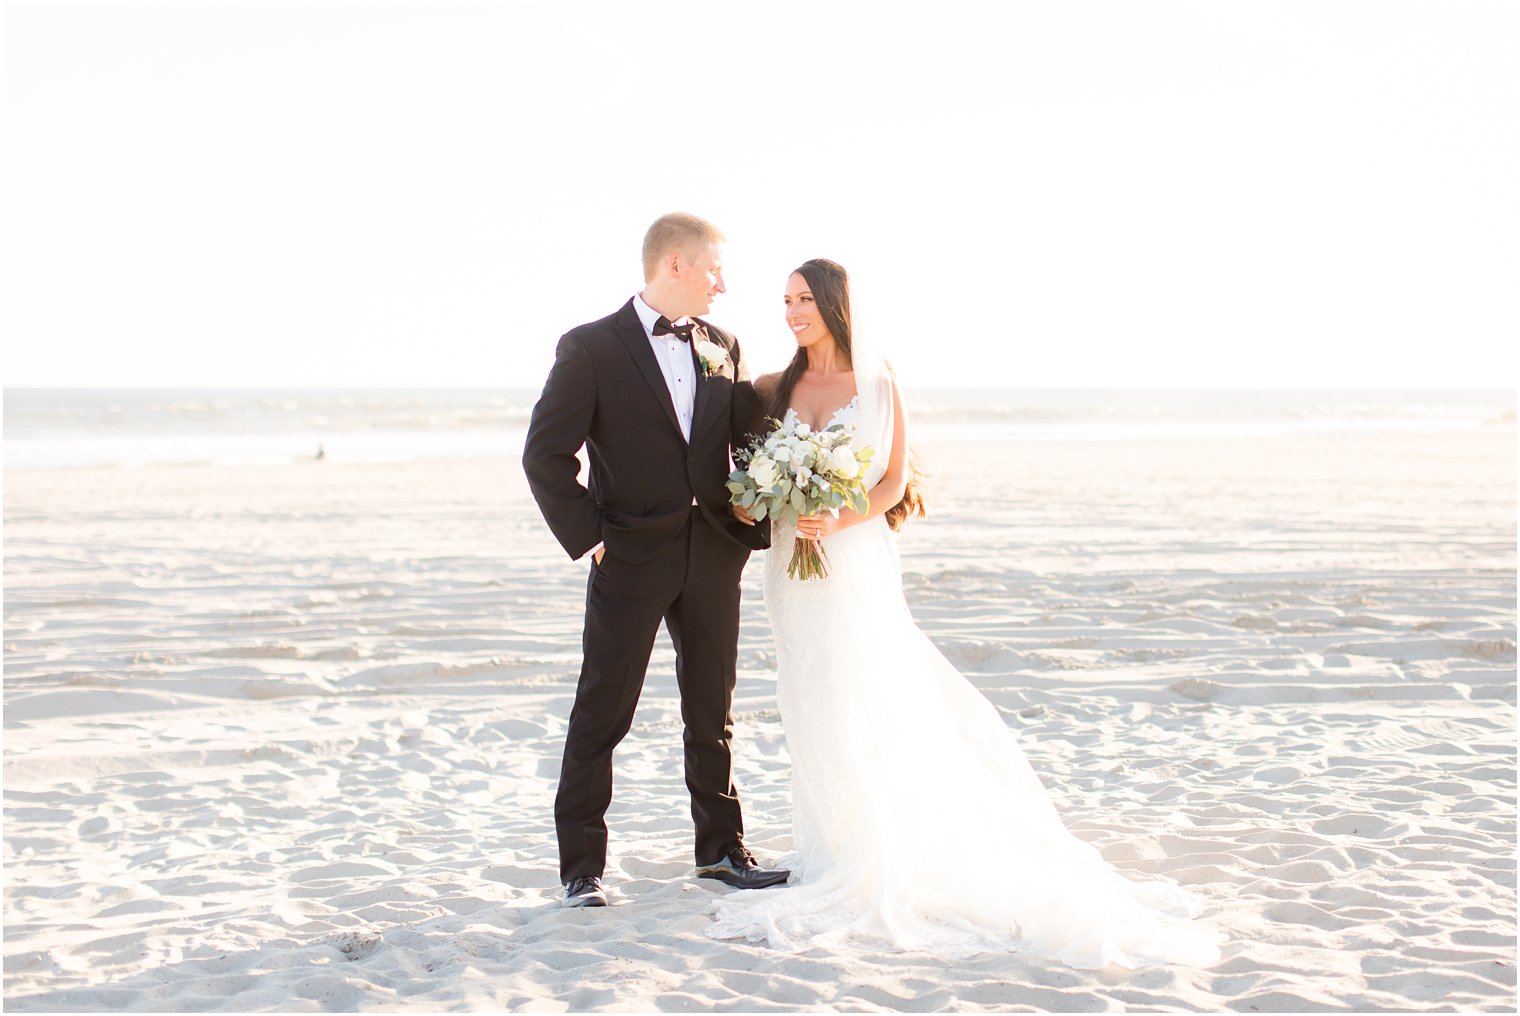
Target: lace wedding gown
[917, 820]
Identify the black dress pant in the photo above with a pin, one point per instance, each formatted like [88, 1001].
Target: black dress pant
[693, 585]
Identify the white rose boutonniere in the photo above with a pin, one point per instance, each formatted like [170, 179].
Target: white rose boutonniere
[712, 355]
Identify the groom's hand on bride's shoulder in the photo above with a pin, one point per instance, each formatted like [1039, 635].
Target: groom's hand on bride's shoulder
[742, 515]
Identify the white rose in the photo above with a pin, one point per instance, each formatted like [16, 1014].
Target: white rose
[783, 454]
[842, 462]
[803, 430]
[712, 354]
[802, 476]
[763, 471]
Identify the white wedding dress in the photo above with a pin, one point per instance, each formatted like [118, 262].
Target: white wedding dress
[918, 822]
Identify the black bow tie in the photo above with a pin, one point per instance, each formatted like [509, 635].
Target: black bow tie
[682, 332]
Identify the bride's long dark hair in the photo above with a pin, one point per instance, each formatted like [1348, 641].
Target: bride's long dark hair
[830, 286]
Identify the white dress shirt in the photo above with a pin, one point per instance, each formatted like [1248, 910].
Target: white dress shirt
[676, 364]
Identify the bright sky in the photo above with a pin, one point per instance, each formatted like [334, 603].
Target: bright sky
[1214, 194]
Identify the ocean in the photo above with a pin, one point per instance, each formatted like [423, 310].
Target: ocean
[75, 427]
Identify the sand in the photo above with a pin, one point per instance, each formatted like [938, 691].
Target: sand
[287, 737]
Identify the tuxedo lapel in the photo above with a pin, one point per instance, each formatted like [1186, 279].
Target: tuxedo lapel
[631, 331]
[703, 381]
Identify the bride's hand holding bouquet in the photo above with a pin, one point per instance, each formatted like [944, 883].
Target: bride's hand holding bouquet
[795, 469]
[825, 523]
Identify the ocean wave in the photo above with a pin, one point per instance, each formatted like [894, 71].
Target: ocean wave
[44, 412]
[1201, 407]
[64, 428]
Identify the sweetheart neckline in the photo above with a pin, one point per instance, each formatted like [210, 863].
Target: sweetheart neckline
[829, 422]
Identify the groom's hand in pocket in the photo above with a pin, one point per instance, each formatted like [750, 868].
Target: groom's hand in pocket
[597, 556]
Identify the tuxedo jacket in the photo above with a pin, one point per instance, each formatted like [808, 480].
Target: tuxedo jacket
[606, 391]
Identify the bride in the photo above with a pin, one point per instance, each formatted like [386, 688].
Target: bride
[917, 820]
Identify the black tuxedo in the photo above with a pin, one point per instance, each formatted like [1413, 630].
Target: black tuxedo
[666, 559]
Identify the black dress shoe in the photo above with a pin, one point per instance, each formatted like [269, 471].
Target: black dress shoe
[740, 869]
[585, 892]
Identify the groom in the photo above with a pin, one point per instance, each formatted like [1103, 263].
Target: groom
[658, 397]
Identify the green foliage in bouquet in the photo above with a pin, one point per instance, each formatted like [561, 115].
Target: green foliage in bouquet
[794, 468]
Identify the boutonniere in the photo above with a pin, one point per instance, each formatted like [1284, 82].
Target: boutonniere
[712, 356]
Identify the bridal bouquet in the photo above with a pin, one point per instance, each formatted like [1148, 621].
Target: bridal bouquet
[796, 469]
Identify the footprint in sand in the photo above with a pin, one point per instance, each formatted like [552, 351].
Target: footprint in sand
[355, 945]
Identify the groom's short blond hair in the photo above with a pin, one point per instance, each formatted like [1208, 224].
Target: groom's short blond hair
[675, 231]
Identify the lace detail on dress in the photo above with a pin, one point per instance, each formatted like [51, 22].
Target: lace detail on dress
[853, 406]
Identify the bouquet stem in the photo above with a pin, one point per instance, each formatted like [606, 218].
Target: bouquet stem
[809, 561]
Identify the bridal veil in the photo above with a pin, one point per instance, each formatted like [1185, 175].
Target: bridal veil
[918, 822]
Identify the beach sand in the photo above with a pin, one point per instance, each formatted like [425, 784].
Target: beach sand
[288, 737]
